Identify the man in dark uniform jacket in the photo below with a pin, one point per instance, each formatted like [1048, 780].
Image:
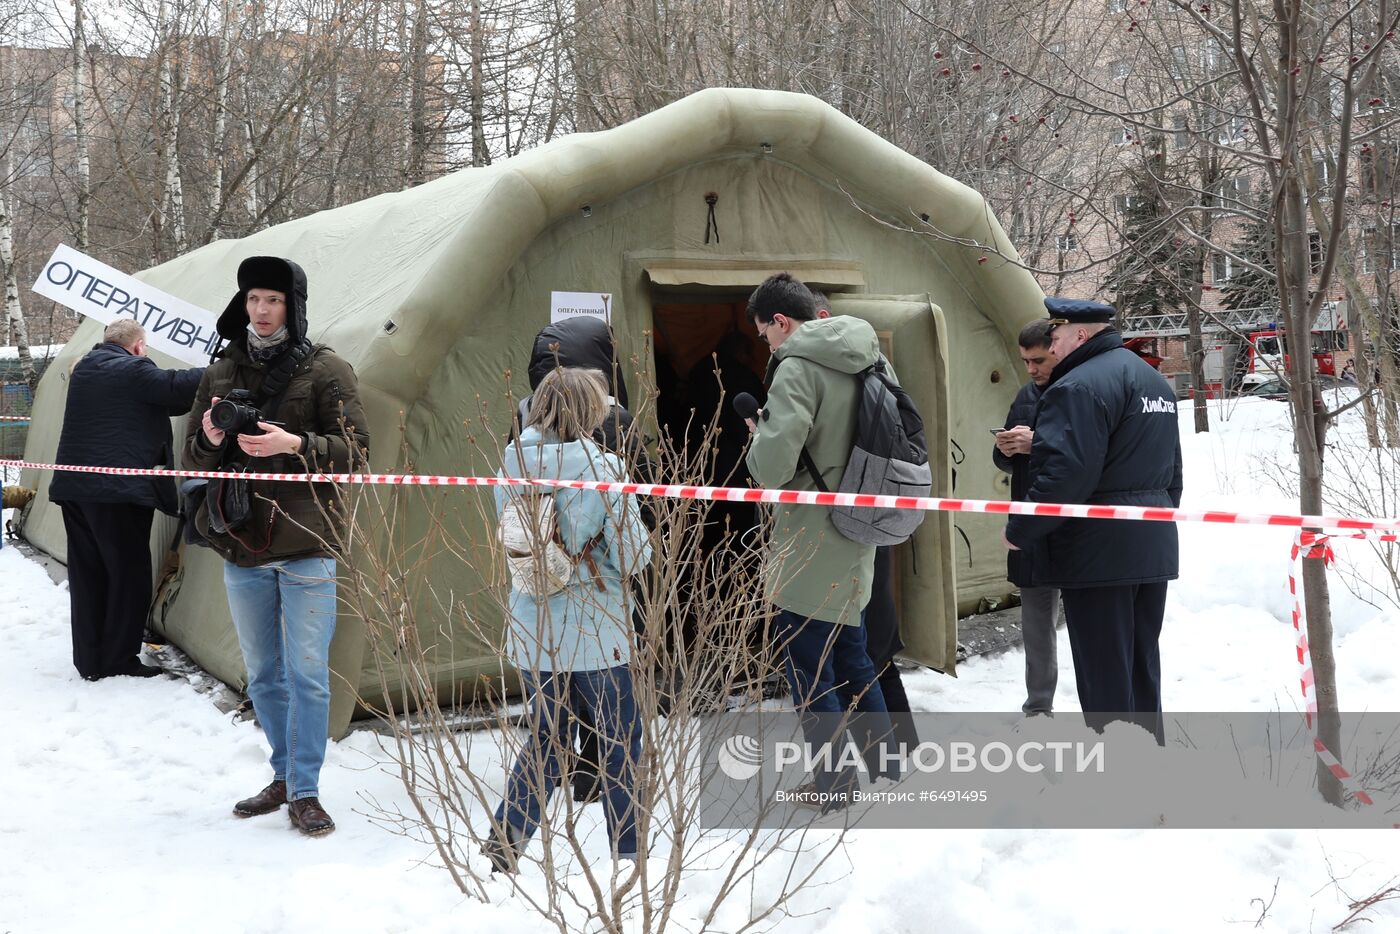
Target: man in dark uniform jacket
[1106, 434]
[117, 415]
[1039, 605]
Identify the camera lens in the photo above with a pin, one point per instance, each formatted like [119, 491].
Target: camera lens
[227, 416]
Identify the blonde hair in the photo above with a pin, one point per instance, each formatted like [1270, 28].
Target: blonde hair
[569, 403]
[124, 331]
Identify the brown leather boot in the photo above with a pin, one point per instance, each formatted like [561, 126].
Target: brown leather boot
[264, 802]
[310, 818]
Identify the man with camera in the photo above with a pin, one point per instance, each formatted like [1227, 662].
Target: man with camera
[274, 402]
[117, 415]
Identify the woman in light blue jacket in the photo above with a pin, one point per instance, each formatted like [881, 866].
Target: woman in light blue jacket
[570, 642]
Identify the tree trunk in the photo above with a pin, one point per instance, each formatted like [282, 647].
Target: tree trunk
[172, 207]
[1195, 343]
[1358, 326]
[223, 65]
[480, 156]
[414, 167]
[80, 128]
[14, 312]
[1293, 265]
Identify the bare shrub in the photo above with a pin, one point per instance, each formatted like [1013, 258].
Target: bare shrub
[698, 646]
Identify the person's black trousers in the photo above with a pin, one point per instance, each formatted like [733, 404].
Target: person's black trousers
[109, 583]
[882, 642]
[1113, 633]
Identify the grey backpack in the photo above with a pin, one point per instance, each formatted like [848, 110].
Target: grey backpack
[889, 458]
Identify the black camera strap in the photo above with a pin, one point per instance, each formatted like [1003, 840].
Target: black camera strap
[279, 378]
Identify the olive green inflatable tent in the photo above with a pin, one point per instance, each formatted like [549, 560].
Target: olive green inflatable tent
[433, 292]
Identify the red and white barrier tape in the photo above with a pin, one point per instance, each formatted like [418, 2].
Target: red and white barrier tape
[1312, 545]
[14, 418]
[800, 497]
[1356, 527]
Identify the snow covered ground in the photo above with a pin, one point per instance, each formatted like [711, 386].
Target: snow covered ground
[115, 796]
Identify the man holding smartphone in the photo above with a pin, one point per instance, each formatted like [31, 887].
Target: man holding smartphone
[1039, 605]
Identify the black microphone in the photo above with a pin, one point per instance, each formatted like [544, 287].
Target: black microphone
[747, 407]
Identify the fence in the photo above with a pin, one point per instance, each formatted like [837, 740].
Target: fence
[16, 400]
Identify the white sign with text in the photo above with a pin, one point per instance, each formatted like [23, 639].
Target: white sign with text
[566, 305]
[173, 326]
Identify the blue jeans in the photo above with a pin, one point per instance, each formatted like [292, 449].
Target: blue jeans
[825, 661]
[285, 616]
[606, 695]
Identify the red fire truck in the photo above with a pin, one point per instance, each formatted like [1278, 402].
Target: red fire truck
[1265, 354]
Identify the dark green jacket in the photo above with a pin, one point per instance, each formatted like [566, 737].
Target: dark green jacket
[322, 405]
[290, 519]
[812, 569]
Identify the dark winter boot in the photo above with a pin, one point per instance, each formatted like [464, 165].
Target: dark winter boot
[310, 818]
[264, 802]
[135, 668]
[503, 851]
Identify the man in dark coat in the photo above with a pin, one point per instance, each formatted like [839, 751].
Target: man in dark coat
[587, 342]
[1105, 434]
[1012, 454]
[117, 415]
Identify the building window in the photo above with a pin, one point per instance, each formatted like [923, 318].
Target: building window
[1368, 249]
[1233, 189]
[1126, 202]
[1121, 69]
[1232, 130]
[1177, 61]
[1067, 243]
[1180, 133]
[1223, 266]
[1315, 252]
[1322, 169]
[1123, 136]
[1117, 6]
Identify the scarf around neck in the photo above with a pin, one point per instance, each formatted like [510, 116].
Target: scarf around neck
[263, 349]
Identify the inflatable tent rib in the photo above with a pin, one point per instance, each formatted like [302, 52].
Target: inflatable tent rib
[435, 292]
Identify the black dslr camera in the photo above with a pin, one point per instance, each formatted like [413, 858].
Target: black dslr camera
[236, 413]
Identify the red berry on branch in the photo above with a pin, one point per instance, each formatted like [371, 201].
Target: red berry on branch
[1006, 72]
[946, 72]
[1374, 102]
[1041, 120]
[937, 56]
[981, 260]
[976, 66]
[1005, 138]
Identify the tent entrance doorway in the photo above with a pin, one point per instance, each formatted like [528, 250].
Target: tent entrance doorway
[707, 352]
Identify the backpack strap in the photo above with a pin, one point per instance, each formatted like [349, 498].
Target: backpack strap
[585, 554]
[805, 459]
